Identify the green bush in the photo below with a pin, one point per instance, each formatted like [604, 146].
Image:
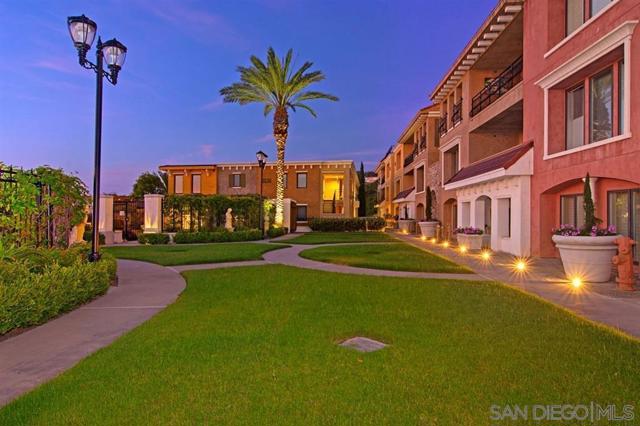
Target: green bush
[198, 212]
[88, 236]
[39, 284]
[216, 236]
[323, 224]
[276, 232]
[153, 238]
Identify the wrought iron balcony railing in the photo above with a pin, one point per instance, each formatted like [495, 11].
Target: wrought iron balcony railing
[423, 142]
[500, 85]
[456, 115]
[442, 124]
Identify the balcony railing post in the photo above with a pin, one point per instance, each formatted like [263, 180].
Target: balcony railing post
[500, 85]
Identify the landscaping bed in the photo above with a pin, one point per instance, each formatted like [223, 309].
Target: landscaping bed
[171, 255]
[394, 257]
[259, 346]
[39, 284]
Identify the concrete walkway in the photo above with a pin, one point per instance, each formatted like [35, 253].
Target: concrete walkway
[545, 278]
[40, 354]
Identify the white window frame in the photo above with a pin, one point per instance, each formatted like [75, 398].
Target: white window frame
[199, 175]
[306, 180]
[621, 36]
[175, 176]
[233, 180]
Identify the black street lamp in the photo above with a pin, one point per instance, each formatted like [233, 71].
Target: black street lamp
[262, 161]
[83, 31]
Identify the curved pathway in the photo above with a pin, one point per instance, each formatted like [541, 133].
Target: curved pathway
[40, 354]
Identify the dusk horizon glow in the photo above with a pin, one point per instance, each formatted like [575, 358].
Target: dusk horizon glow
[381, 59]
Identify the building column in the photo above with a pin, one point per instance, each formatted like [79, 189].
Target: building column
[105, 222]
[153, 213]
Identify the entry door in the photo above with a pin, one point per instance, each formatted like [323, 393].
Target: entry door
[624, 214]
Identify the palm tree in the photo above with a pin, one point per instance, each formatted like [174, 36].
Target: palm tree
[279, 88]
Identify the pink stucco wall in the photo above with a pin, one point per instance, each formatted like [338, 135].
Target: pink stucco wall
[617, 165]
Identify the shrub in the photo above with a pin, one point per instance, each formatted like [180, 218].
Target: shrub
[276, 232]
[153, 238]
[346, 224]
[468, 230]
[216, 236]
[88, 235]
[40, 284]
[198, 212]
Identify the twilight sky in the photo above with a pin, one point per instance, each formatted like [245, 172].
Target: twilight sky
[381, 58]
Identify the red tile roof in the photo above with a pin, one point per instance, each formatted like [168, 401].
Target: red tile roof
[403, 194]
[502, 160]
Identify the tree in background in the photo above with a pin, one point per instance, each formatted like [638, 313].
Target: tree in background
[279, 88]
[590, 219]
[362, 192]
[150, 183]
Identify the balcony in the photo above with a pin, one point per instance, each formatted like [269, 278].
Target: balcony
[332, 206]
[456, 115]
[442, 124]
[409, 158]
[500, 85]
[381, 181]
[423, 143]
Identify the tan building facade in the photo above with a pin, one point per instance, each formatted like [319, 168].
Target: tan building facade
[319, 188]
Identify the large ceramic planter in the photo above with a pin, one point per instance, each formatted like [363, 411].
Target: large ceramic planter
[470, 241]
[407, 226]
[587, 257]
[428, 229]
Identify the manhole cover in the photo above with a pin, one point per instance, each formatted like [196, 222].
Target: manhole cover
[363, 344]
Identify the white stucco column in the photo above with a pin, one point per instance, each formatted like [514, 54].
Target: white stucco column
[495, 225]
[105, 222]
[153, 213]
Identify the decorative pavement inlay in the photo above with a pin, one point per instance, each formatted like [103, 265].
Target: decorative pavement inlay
[363, 344]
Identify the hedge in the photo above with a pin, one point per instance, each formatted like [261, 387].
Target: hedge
[276, 232]
[39, 284]
[323, 224]
[216, 236]
[153, 238]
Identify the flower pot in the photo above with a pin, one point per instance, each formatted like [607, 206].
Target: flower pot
[587, 257]
[407, 226]
[428, 229]
[470, 241]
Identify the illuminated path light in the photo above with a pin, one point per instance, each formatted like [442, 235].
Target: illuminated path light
[485, 255]
[576, 282]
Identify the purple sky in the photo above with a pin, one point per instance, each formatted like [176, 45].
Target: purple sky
[381, 58]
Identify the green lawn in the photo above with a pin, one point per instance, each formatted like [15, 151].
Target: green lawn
[192, 254]
[257, 346]
[340, 237]
[395, 257]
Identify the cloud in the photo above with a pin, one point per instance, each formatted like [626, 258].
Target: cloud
[58, 65]
[206, 150]
[265, 138]
[214, 105]
[194, 22]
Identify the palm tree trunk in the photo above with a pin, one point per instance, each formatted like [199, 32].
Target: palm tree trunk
[280, 133]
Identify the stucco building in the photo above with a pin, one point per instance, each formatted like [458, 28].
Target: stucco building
[319, 188]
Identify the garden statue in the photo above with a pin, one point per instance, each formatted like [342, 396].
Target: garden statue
[228, 223]
[624, 261]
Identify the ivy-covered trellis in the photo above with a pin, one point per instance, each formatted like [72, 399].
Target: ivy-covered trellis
[196, 212]
[39, 207]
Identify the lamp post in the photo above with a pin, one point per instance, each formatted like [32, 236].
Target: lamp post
[262, 161]
[83, 31]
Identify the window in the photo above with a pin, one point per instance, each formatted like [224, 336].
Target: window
[301, 213]
[601, 101]
[620, 97]
[597, 5]
[237, 180]
[178, 184]
[575, 117]
[286, 180]
[420, 179]
[572, 210]
[195, 184]
[504, 217]
[575, 15]
[451, 161]
[624, 214]
[301, 180]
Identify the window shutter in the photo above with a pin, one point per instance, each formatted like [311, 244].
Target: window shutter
[243, 180]
[230, 181]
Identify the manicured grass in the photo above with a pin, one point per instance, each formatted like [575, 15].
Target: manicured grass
[184, 254]
[394, 257]
[340, 237]
[256, 345]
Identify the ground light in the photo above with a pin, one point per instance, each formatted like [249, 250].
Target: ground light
[576, 282]
[463, 249]
[445, 244]
[433, 240]
[423, 238]
[520, 265]
[485, 255]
